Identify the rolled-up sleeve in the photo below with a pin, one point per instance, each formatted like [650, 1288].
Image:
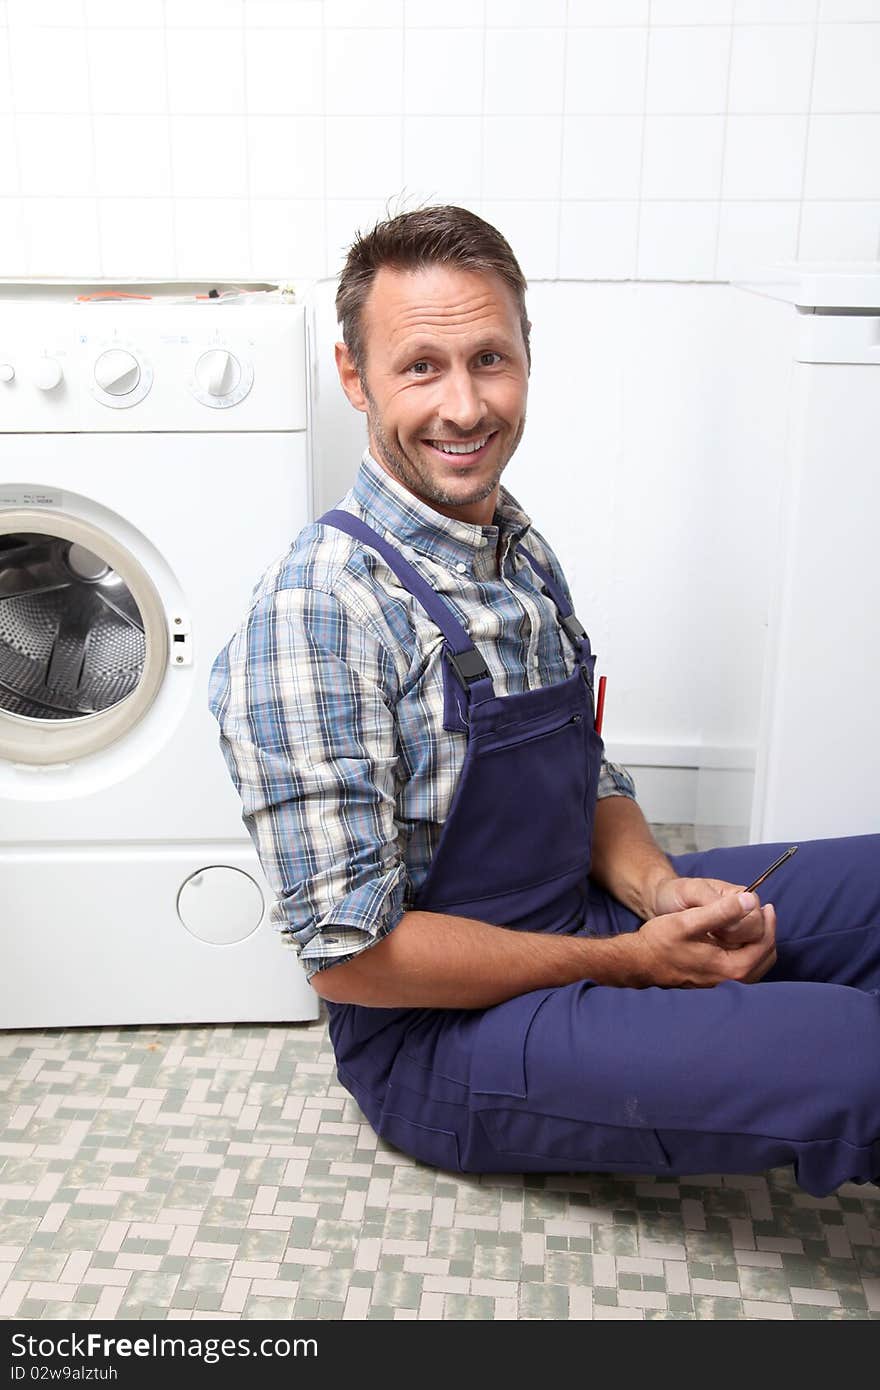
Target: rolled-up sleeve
[304, 696]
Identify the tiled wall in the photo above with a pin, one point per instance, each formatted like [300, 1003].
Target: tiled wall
[610, 139]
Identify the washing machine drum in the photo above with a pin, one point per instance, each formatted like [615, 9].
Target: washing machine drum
[84, 637]
[72, 639]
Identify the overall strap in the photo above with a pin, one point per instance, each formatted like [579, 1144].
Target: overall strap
[570, 624]
[462, 655]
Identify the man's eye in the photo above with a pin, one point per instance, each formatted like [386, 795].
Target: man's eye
[420, 368]
[489, 359]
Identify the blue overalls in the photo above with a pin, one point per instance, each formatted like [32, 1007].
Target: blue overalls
[586, 1077]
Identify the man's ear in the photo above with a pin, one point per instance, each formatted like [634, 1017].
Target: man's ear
[349, 377]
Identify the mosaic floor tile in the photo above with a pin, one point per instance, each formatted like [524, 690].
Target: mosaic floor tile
[178, 1173]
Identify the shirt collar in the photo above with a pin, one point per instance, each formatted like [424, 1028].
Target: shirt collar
[388, 506]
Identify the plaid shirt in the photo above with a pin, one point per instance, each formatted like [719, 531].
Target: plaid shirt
[329, 699]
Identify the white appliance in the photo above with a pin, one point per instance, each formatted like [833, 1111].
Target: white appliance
[818, 757]
[154, 459]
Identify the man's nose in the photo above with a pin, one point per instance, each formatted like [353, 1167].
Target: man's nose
[462, 403]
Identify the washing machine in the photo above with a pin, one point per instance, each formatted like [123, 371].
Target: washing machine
[154, 459]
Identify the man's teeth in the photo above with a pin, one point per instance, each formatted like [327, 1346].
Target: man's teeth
[460, 448]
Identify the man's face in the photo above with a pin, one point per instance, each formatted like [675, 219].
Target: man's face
[446, 369]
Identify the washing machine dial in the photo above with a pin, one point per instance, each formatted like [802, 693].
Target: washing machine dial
[7, 371]
[121, 374]
[48, 373]
[220, 379]
[117, 372]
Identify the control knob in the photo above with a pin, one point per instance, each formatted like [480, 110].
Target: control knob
[218, 372]
[117, 372]
[47, 373]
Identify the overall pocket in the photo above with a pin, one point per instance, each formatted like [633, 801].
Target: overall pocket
[519, 815]
[506, 1097]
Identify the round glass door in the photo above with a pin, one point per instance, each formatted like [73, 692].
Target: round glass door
[83, 640]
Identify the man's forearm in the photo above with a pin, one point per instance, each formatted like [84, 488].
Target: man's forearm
[626, 859]
[433, 961]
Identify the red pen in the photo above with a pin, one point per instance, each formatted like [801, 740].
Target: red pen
[600, 704]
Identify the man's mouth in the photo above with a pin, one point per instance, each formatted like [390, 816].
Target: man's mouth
[465, 450]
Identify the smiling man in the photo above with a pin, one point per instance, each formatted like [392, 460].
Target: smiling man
[446, 391]
[516, 976]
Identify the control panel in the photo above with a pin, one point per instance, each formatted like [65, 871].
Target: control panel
[153, 365]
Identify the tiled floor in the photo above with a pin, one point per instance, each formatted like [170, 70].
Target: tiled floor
[185, 1173]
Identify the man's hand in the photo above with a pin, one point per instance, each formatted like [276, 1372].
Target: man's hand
[708, 932]
[675, 894]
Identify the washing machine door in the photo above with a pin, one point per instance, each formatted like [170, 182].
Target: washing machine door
[83, 637]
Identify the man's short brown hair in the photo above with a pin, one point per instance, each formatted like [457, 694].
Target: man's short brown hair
[442, 235]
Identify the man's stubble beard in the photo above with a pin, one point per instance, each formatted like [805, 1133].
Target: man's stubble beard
[424, 486]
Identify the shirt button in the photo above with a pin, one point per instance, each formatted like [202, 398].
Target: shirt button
[461, 567]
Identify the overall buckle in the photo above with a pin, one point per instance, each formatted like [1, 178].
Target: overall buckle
[573, 628]
[469, 666]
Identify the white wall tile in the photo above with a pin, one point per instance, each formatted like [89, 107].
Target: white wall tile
[770, 68]
[5, 73]
[849, 9]
[443, 72]
[364, 157]
[281, 14]
[532, 229]
[774, 11]
[501, 14]
[61, 236]
[13, 250]
[132, 156]
[443, 155]
[608, 12]
[9, 184]
[136, 232]
[524, 71]
[752, 236]
[205, 72]
[687, 69]
[605, 71]
[55, 155]
[212, 237]
[602, 157]
[521, 154]
[44, 13]
[422, 195]
[49, 69]
[764, 157]
[597, 241]
[691, 11]
[363, 14]
[364, 71]
[288, 238]
[208, 156]
[677, 241]
[286, 156]
[110, 14]
[842, 158]
[682, 157]
[847, 76]
[127, 70]
[455, 14]
[284, 79]
[204, 14]
[840, 232]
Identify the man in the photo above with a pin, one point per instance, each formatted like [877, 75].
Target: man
[517, 977]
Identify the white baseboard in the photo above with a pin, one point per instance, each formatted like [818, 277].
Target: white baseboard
[691, 784]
